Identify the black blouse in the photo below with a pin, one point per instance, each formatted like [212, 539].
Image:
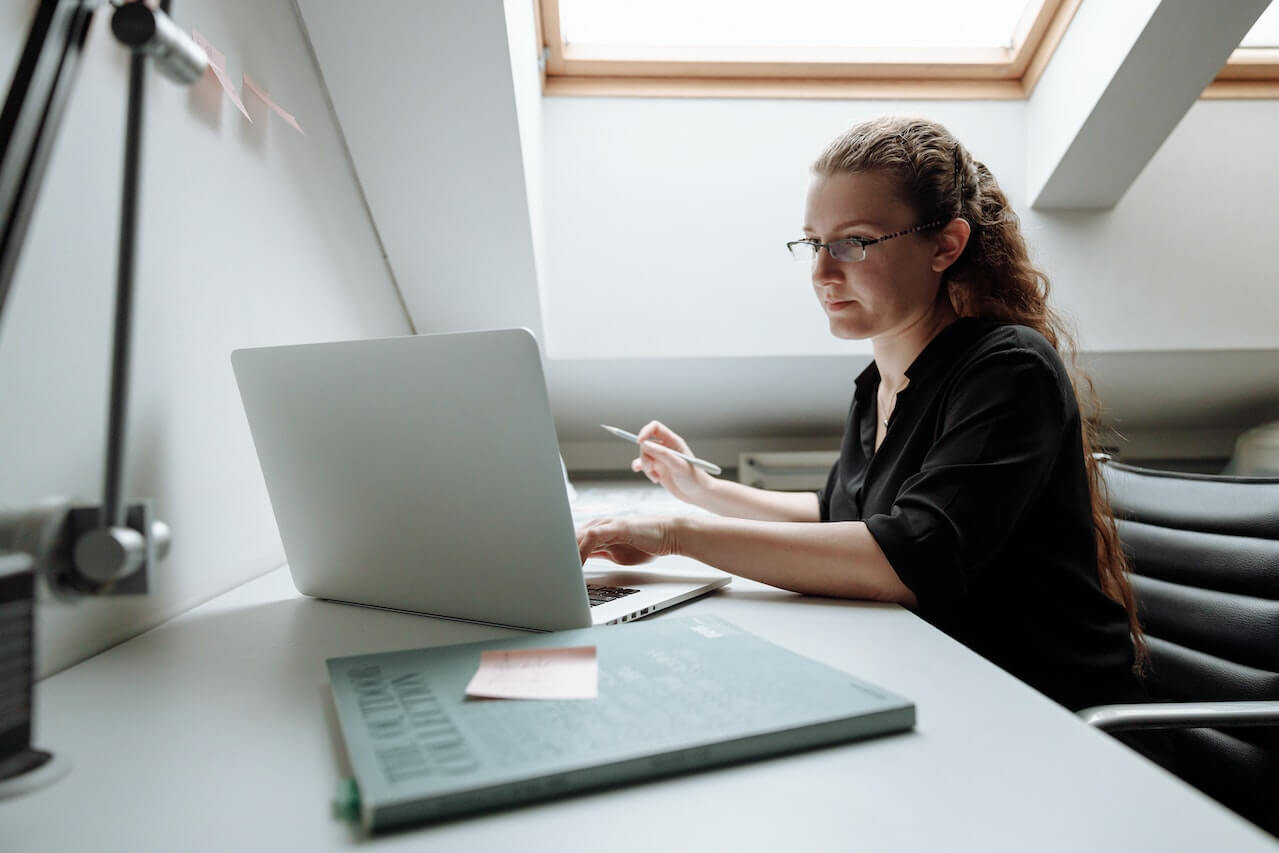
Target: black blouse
[979, 498]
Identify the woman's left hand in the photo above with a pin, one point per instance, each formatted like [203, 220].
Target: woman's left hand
[626, 541]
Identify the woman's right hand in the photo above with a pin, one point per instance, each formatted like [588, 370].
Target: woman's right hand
[686, 482]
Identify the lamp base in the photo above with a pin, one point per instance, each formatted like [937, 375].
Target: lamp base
[29, 771]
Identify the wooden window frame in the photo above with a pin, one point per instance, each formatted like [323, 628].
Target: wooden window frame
[1251, 72]
[975, 73]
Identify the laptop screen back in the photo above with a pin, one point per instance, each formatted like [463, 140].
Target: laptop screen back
[418, 473]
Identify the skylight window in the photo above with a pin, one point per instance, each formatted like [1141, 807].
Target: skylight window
[800, 48]
[984, 49]
[1264, 33]
[849, 24]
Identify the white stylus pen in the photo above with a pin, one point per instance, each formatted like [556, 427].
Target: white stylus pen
[709, 467]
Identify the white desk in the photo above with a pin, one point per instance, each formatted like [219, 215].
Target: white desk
[215, 732]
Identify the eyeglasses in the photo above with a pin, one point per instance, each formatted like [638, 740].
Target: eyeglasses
[850, 249]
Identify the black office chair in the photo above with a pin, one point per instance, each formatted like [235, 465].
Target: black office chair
[1205, 558]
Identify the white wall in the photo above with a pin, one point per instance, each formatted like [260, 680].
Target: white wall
[427, 98]
[667, 219]
[524, 42]
[1185, 260]
[250, 235]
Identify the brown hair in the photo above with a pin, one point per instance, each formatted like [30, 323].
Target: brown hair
[993, 278]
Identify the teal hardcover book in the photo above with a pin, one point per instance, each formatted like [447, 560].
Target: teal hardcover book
[674, 694]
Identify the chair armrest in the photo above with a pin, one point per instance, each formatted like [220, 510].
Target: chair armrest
[1181, 715]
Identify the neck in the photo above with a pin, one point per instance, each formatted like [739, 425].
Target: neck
[897, 350]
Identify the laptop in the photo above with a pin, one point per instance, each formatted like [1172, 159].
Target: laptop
[422, 474]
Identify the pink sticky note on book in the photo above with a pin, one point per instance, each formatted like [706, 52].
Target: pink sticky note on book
[570, 673]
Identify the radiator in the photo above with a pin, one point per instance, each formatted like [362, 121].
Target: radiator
[796, 471]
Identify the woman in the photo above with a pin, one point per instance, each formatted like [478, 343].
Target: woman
[965, 487]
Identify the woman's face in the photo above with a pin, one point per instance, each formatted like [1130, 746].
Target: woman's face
[895, 286]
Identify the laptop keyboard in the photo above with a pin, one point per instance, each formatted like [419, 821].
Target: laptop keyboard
[603, 594]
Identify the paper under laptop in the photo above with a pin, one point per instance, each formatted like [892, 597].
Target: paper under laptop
[422, 473]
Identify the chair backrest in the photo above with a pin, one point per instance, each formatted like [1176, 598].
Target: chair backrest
[1205, 558]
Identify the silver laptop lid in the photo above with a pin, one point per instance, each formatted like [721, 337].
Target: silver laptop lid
[420, 473]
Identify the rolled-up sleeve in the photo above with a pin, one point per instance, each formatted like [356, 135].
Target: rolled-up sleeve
[824, 493]
[999, 437]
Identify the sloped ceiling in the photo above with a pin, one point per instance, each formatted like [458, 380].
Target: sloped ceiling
[1122, 78]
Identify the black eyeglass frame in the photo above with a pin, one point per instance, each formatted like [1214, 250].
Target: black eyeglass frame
[834, 247]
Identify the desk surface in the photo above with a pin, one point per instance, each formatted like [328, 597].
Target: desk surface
[215, 731]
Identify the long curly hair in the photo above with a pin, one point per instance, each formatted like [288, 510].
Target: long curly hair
[993, 278]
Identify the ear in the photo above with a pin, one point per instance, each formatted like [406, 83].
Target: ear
[950, 243]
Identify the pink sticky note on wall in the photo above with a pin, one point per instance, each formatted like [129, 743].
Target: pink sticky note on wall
[570, 673]
[265, 96]
[217, 64]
